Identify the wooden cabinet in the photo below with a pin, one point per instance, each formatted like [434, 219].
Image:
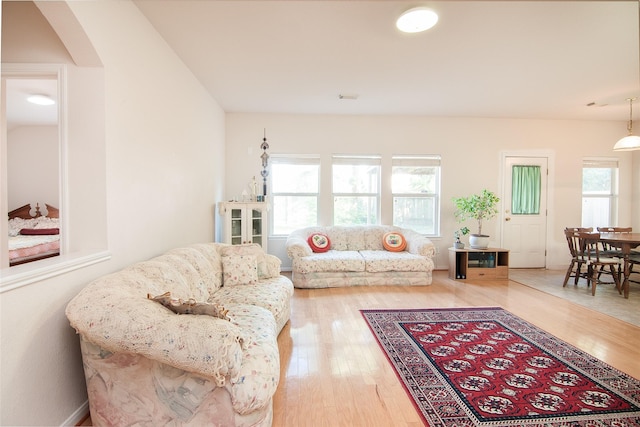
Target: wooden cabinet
[245, 222]
[478, 264]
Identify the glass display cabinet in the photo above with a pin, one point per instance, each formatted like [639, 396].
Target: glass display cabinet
[245, 223]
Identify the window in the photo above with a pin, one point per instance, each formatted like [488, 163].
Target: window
[294, 191]
[356, 190]
[415, 186]
[599, 193]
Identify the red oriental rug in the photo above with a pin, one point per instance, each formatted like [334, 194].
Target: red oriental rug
[488, 367]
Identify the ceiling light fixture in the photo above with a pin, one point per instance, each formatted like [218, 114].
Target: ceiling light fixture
[41, 99]
[351, 96]
[416, 20]
[629, 142]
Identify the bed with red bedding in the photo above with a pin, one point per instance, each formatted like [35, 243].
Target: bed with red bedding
[32, 235]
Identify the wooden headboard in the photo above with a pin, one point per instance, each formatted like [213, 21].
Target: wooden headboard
[24, 212]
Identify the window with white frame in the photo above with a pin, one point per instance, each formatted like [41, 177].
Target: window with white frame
[295, 186]
[599, 192]
[415, 186]
[356, 190]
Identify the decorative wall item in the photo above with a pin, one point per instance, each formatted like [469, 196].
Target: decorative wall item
[265, 162]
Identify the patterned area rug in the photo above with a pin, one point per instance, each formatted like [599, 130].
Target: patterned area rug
[488, 367]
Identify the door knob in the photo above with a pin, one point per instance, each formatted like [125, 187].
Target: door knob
[507, 219]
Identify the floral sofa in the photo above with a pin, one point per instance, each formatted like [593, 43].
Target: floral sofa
[356, 255]
[148, 366]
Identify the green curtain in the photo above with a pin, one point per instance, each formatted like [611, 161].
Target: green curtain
[525, 190]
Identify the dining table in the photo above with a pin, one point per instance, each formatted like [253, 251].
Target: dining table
[626, 242]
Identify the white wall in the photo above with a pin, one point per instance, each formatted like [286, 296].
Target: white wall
[471, 150]
[165, 170]
[32, 160]
[164, 139]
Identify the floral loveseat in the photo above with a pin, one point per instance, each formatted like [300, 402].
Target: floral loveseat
[356, 255]
[148, 366]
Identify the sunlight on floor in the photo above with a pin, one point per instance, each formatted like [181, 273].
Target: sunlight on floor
[606, 300]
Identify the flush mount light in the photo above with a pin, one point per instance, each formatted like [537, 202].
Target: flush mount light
[41, 100]
[416, 20]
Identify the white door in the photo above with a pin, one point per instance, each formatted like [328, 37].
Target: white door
[524, 220]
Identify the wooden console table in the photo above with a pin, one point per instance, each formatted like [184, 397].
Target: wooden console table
[478, 264]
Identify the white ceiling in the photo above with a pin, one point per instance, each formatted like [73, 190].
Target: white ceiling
[22, 113]
[519, 59]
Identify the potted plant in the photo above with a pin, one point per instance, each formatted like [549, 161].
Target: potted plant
[460, 232]
[479, 207]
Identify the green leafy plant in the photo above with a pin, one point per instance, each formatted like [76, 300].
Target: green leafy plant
[461, 232]
[477, 206]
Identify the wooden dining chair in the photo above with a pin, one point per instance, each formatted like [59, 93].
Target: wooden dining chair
[576, 263]
[634, 261]
[612, 250]
[609, 249]
[589, 244]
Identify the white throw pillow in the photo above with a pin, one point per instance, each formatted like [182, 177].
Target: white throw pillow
[248, 249]
[239, 270]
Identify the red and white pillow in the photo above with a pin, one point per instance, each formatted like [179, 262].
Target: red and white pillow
[394, 242]
[319, 242]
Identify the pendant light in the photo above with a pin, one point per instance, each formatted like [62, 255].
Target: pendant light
[629, 142]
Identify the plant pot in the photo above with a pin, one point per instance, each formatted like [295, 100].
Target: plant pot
[479, 241]
[458, 245]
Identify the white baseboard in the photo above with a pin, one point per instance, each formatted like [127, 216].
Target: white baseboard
[77, 416]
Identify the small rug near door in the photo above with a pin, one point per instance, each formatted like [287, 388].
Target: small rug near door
[488, 367]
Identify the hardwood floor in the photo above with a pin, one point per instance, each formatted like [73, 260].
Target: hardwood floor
[334, 374]
[607, 299]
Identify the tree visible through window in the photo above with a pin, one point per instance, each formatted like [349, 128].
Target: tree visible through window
[415, 184]
[294, 191]
[599, 193]
[356, 190]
